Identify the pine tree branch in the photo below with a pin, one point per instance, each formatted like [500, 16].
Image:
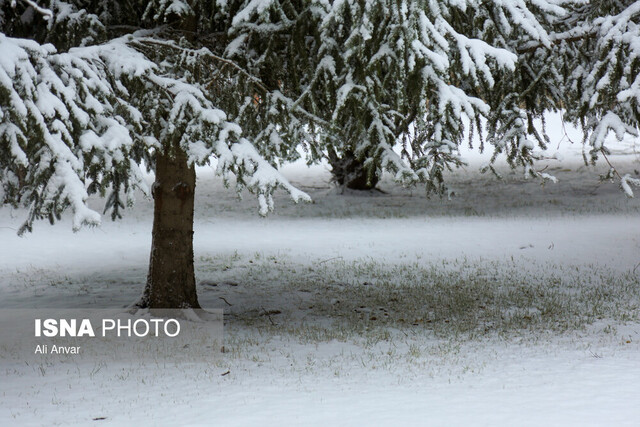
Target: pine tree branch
[206, 53]
[586, 31]
[46, 13]
[568, 36]
[610, 165]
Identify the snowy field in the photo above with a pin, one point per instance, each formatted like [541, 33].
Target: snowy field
[510, 304]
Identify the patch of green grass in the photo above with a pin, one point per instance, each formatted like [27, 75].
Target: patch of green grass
[338, 300]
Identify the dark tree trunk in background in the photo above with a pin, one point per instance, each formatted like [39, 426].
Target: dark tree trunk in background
[171, 279]
[348, 171]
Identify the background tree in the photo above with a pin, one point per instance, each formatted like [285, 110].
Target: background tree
[400, 72]
[380, 73]
[587, 69]
[599, 43]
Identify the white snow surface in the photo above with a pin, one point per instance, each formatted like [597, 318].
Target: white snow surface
[277, 375]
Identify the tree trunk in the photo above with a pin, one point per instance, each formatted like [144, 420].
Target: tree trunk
[348, 171]
[171, 278]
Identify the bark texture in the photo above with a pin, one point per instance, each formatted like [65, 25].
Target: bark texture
[348, 171]
[171, 278]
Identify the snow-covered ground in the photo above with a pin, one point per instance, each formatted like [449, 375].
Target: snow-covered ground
[510, 304]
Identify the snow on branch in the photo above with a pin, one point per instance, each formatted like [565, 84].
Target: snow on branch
[256, 7]
[254, 172]
[66, 127]
[391, 161]
[46, 13]
[610, 122]
[626, 182]
[195, 55]
[42, 104]
[96, 113]
[587, 30]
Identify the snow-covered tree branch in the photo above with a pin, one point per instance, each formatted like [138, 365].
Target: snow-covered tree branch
[91, 92]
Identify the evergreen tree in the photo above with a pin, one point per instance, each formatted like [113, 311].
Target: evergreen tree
[598, 41]
[80, 117]
[405, 72]
[90, 91]
[371, 75]
[587, 68]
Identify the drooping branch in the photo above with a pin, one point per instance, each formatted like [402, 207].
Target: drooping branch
[583, 32]
[46, 13]
[203, 52]
[573, 35]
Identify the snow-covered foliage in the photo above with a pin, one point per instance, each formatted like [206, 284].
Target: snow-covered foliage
[80, 120]
[605, 81]
[90, 91]
[63, 128]
[522, 94]
[386, 72]
[588, 67]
